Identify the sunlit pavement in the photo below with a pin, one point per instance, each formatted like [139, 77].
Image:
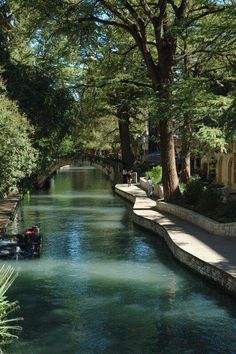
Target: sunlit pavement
[7, 208]
[218, 252]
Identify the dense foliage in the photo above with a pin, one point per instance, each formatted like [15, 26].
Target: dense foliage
[155, 174]
[17, 156]
[186, 49]
[208, 199]
[102, 75]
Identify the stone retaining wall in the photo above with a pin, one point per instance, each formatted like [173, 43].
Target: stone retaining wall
[224, 280]
[214, 227]
[221, 278]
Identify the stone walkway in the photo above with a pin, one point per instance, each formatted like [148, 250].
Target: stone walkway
[212, 256]
[7, 209]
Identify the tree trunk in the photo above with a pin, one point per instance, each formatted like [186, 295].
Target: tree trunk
[185, 173]
[153, 134]
[166, 51]
[162, 75]
[126, 150]
[187, 131]
[169, 174]
[185, 151]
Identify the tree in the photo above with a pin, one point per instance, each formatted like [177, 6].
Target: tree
[228, 121]
[198, 110]
[113, 87]
[48, 104]
[156, 28]
[17, 156]
[203, 79]
[125, 92]
[39, 87]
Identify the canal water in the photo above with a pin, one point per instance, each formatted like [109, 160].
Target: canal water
[103, 285]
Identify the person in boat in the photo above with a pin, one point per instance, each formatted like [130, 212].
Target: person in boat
[32, 232]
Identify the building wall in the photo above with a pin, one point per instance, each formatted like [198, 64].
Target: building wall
[226, 169]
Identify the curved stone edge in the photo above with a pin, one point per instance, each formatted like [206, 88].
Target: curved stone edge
[215, 275]
[214, 227]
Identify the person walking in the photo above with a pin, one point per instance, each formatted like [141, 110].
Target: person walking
[129, 178]
[149, 188]
[124, 174]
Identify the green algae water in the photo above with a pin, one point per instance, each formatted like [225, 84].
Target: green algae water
[103, 285]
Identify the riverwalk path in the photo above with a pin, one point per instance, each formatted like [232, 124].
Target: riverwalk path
[7, 208]
[214, 257]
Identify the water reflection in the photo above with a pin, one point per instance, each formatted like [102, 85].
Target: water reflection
[105, 286]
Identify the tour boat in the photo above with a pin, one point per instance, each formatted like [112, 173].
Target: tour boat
[21, 246]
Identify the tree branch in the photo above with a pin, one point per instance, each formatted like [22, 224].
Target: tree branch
[136, 83]
[204, 14]
[147, 10]
[115, 12]
[106, 22]
[127, 52]
[182, 8]
[131, 10]
[101, 85]
[174, 7]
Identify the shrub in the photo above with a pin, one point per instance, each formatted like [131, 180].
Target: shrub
[155, 173]
[210, 198]
[193, 190]
[226, 212]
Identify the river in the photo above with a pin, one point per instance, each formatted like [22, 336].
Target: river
[103, 285]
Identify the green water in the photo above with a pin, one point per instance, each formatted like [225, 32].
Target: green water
[103, 285]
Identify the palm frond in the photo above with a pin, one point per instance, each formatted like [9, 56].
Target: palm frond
[8, 326]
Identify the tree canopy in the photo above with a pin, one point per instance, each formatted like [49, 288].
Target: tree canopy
[92, 74]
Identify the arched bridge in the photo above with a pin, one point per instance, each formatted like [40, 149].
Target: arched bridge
[110, 166]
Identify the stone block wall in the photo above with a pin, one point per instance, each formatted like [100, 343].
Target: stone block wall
[214, 227]
[161, 227]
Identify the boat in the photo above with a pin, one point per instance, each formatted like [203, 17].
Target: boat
[21, 246]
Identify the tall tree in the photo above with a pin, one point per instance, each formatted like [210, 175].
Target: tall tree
[205, 69]
[114, 79]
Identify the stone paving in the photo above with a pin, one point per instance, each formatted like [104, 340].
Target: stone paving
[212, 256]
[7, 208]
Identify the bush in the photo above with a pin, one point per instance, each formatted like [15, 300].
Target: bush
[210, 198]
[226, 212]
[202, 196]
[193, 190]
[155, 173]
